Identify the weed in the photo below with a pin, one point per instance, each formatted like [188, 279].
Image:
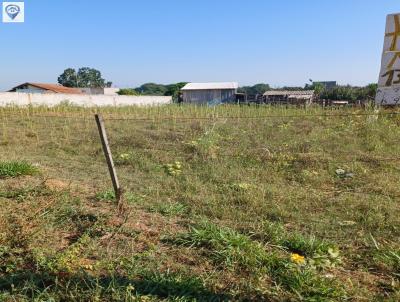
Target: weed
[16, 168]
[206, 145]
[303, 245]
[145, 287]
[68, 260]
[234, 250]
[124, 159]
[67, 209]
[11, 259]
[174, 169]
[305, 283]
[108, 195]
[178, 287]
[390, 259]
[272, 232]
[225, 246]
[133, 198]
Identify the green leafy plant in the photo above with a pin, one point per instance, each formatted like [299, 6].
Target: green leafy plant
[123, 159]
[170, 209]
[174, 169]
[322, 261]
[206, 145]
[108, 195]
[305, 245]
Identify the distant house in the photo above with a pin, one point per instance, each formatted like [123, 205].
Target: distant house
[289, 97]
[45, 88]
[209, 93]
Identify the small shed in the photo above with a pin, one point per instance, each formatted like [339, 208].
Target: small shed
[296, 97]
[209, 93]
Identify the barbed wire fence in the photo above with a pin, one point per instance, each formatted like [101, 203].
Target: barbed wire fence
[69, 146]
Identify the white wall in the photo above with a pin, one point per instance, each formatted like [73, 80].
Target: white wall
[35, 99]
[105, 91]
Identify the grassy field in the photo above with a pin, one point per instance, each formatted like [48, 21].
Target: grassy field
[222, 204]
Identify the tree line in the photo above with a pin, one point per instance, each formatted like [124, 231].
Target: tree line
[92, 78]
[348, 93]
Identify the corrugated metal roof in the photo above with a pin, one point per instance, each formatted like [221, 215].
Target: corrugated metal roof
[210, 86]
[300, 96]
[290, 93]
[52, 87]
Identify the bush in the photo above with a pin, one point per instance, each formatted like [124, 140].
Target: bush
[127, 91]
[349, 93]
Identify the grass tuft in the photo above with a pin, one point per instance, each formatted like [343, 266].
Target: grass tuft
[225, 246]
[305, 245]
[16, 168]
[108, 195]
[228, 248]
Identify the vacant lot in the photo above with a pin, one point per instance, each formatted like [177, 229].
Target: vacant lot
[222, 204]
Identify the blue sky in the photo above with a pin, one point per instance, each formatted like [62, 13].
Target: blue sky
[165, 41]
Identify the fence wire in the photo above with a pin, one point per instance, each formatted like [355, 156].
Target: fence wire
[69, 146]
[122, 117]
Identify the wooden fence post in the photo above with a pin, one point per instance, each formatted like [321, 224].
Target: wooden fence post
[108, 155]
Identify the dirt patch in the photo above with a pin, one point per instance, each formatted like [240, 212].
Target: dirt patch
[57, 185]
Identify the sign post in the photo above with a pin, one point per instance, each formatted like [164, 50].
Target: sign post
[389, 78]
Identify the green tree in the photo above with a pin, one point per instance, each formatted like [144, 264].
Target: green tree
[127, 91]
[84, 77]
[69, 78]
[152, 89]
[261, 88]
[371, 91]
[291, 88]
[317, 87]
[256, 89]
[350, 93]
[174, 90]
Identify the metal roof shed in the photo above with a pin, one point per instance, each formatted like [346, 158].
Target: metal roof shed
[289, 97]
[210, 93]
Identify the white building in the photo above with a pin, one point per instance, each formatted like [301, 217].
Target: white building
[209, 93]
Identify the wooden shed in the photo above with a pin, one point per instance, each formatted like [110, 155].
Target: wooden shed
[296, 97]
[209, 93]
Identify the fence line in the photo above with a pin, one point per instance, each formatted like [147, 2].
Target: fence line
[91, 137]
[175, 118]
[252, 117]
